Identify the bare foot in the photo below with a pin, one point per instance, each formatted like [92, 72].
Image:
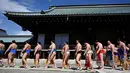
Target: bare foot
[81, 68]
[55, 67]
[8, 66]
[14, 65]
[37, 66]
[45, 67]
[93, 70]
[98, 67]
[62, 67]
[26, 66]
[69, 67]
[123, 69]
[102, 68]
[78, 68]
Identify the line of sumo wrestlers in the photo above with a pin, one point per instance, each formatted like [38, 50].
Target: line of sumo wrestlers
[108, 55]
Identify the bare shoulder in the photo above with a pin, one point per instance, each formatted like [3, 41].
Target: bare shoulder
[122, 44]
[3, 44]
[66, 46]
[29, 44]
[111, 45]
[16, 44]
[11, 44]
[89, 45]
[79, 44]
[40, 46]
[26, 45]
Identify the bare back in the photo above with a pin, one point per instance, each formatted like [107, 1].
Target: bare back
[27, 46]
[78, 47]
[122, 45]
[66, 48]
[99, 46]
[52, 46]
[110, 47]
[38, 47]
[13, 46]
[88, 47]
[88, 50]
[115, 49]
[2, 46]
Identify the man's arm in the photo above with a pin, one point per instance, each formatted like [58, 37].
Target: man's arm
[24, 48]
[36, 48]
[99, 47]
[52, 48]
[79, 47]
[86, 50]
[124, 48]
[112, 51]
[63, 49]
[76, 48]
[8, 49]
[3, 46]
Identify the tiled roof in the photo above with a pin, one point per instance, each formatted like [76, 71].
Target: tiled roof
[16, 38]
[78, 9]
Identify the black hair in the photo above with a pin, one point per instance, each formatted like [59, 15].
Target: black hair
[66, 42]
[96, 41]
[118, 39]
[108, 40]
[78, 40]
[13, 41]
[1, 41]
[86, 41]
[52, 41]
[28, 42]
[39, 43]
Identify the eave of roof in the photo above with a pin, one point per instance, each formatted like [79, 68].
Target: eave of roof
[3, 30]
[78, 10]
[16, 38]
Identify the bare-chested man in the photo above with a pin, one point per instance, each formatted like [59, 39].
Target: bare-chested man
[2, 47]
[122, 54]
[52, 55]
[116, 56]
[37, 53]
[12, 52]
[65, 53]
[128, 55]
[88, 53]
[26, 53]
[110, 54]
[99, 53]
[78, 54]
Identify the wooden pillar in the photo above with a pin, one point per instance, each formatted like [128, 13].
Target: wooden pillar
[18, 55]
[43, 55]
[58, 52]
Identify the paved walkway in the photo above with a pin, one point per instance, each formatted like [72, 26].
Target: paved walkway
[30, 69]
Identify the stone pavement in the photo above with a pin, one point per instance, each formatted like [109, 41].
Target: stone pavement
[16, 69]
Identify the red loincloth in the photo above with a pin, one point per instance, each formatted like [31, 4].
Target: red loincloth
[87, 62]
